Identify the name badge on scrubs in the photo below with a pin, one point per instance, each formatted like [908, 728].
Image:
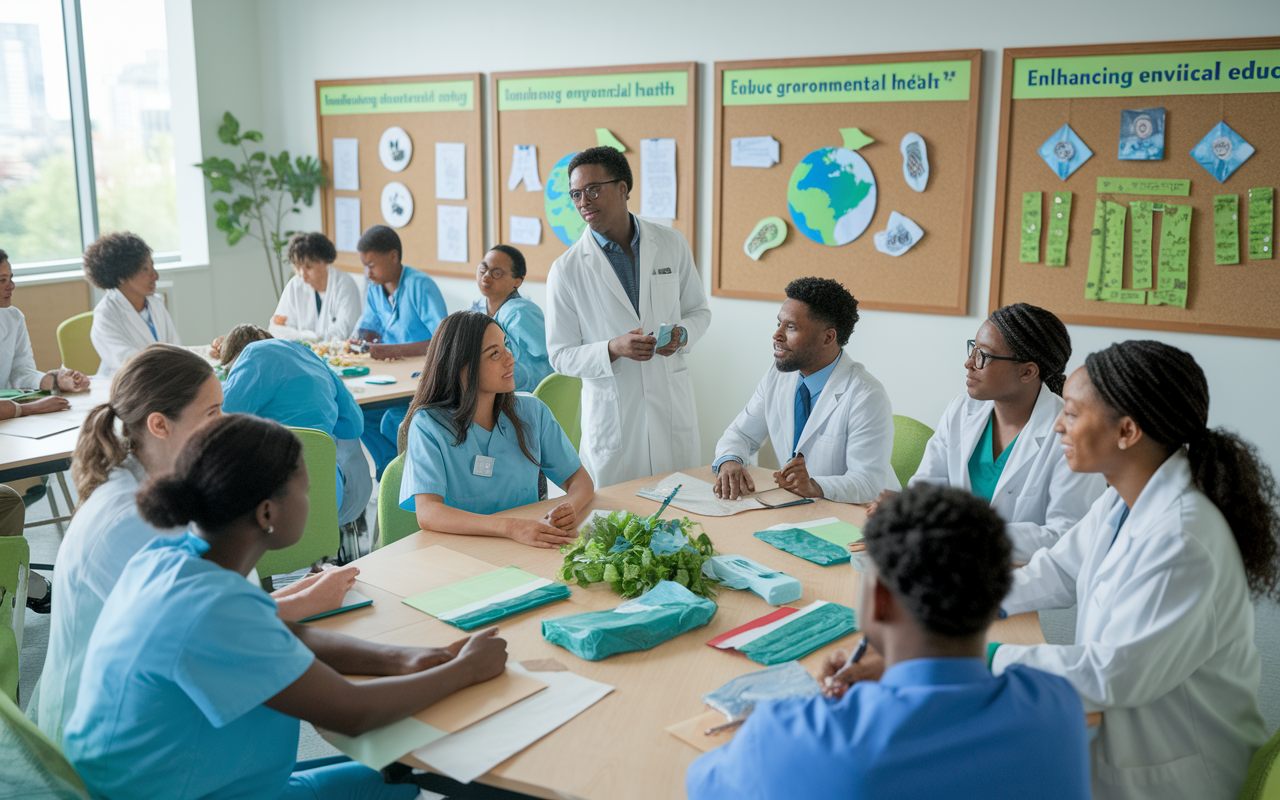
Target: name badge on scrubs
[483, 467]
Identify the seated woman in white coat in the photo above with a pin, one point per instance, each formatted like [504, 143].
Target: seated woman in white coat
[1161, 571]
[319, 302]
[131, 315]
[499, 277]
[997, 441]
[830, 421]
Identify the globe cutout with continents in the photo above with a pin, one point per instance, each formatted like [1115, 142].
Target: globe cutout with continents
[565, 221]
[832, 195]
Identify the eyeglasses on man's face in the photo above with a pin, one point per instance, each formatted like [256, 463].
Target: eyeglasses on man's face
[591, 190]
[497, 273]
[981, 357]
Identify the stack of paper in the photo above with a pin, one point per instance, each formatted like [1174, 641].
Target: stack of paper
[788, 633]
[489, 597]
[696, 497]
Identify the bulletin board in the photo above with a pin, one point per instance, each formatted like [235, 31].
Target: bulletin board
[1222, 265]
[559, 112]
[810, 104]
[430, 109]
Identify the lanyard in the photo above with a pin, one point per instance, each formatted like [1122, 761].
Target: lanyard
[146, 317]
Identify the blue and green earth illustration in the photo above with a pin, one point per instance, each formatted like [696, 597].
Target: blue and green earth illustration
[832, 195]
[565, 221]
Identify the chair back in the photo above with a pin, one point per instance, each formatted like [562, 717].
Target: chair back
[563, 395]
[33, 768]
[394, 523]
[74, 344]
[909, 439]
[15, 558]
[1263, 779]
[321, 536]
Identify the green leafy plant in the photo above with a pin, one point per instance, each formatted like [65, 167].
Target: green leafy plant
[270, 188]
[632, 553]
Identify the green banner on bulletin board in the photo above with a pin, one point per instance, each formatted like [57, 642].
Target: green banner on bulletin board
[848, 83]
[613, 90]
[1131, 75]
[389, 98]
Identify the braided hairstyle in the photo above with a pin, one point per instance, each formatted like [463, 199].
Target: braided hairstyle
[1036, 335]
[1165, 392]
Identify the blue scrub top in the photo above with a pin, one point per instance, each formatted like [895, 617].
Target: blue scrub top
[984, 470]
[930, 727]
[433, 465]
[413, 317]
[526, 331]
[286, 382]
[180, 663]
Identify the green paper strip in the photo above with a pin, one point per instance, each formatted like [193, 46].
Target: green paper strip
[507, 608]
[1134, 297]
[1059, 230]
[1261, 244]
[1093, 280]
[1143, 214]
[1172, 188]
[855, 139]
[1175, 250]
[816, 629]
[1226, 229]
[841, 533]
[1113, 252]
[1030, 252]
[1169, 298]
[470, 590]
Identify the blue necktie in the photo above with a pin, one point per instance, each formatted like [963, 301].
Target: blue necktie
[802, 413]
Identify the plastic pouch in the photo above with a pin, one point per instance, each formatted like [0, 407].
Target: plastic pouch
[664, 612]
[737, 697]
[799, 542]
[740, 572]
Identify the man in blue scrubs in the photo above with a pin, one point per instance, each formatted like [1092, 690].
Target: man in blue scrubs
[926, 718]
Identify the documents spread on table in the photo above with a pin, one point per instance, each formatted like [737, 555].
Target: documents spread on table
[38, 426]
[696, 497]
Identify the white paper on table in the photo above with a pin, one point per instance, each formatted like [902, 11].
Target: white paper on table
[346, 223]
[753, 151]
[38, 426]
[451, 233]
[473, 751]
[526, 230]
[386, 745]
[697, 497]
[658, 178]
[451, 171]
[346, 165]
[524, 167]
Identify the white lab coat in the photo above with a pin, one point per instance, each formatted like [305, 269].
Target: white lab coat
[119, 331]
[1164, 641]
[17, 362]
[847, 441]
[340, 309]
[1037, 495]
[638, 418]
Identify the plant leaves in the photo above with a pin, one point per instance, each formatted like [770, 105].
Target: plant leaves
[632, 554]
[253, 136]
[227, 131]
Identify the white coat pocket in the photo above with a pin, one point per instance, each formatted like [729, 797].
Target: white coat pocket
[1189, 775]
[827, 457]
[665, 299]
[600, 404]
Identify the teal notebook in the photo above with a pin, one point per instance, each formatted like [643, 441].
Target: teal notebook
[352, 601]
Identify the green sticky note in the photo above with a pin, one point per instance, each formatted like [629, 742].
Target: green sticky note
[1175, 250]
[1261, 240]
[1143, 213]
[1173, 188]
[471, 590]
[384, 746]
[605, 138]
[1113, 252]
[1093, 280]
[1226, 229]
[855, 139]
[841, 533]
[1055, 254]
[1030, 251]
[1167, 298]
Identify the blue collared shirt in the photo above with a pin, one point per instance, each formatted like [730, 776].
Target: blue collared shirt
[627, 269]
[411, 314]
[930, 727]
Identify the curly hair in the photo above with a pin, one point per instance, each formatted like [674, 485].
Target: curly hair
[380, 239]
[114, 259]
[305, 247]
[613, 161]
[829, 303]
[1165, 392]
[1038, 336]
[945, 555]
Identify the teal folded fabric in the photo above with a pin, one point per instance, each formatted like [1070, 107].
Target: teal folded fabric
[664, 612]
[818, 628]
[496, 611]
[799, 542]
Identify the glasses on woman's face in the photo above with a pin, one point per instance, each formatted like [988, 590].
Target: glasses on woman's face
[981, 357]
[591, 190]
[497, 273]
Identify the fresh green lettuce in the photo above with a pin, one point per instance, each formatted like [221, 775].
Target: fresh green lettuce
[633, 553]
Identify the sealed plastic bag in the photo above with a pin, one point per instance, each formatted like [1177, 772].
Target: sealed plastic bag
[740, 572]
[737, 697]
[799, 542]
[664, 612]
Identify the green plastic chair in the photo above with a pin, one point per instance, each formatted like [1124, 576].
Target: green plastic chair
[321, 536]
[1263, 779]
[563, 395]
[74, 344]
[15, 558]
[909, 438]
[33, 768]
[394, 523]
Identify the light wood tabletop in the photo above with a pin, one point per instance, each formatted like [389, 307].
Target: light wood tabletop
[618, 748]
[402, 370]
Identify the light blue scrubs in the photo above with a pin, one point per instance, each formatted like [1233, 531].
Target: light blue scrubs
[526, 331]
[434, 465]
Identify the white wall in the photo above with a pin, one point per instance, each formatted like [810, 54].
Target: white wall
[261, 61]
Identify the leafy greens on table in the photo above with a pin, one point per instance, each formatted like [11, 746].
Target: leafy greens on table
[633, 553]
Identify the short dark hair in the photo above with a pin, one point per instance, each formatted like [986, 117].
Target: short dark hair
[829, 303]
[114, 259]
[518, 269]
[945, 555]
[380, 239]
[4, 256]
[240, 337]
[613, 161]
[311, 246]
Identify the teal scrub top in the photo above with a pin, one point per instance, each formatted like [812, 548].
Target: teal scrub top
[984, 470]
[433, 465]
[526, 329]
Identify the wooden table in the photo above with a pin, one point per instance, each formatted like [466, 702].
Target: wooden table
[618, 748]
[370, 395]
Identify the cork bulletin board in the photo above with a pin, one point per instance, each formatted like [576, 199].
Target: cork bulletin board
[1125, 265]
[559, 112]
[430, 109]
[810, 104]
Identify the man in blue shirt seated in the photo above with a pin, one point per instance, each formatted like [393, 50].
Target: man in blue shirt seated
[936, 723]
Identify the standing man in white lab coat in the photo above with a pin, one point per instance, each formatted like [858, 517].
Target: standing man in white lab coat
[829, 419]
[610, 300]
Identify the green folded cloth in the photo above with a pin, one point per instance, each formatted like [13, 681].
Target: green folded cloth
[807, 633]
[799, 542]
[664, 612]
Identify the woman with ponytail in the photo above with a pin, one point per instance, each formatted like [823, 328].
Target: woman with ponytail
[1161, 571]
[997, 440]
[193, 686]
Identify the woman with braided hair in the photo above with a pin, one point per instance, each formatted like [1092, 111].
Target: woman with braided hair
[1161, 571]
[997, 440]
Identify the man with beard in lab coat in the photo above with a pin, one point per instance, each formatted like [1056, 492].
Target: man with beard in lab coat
[624, 305]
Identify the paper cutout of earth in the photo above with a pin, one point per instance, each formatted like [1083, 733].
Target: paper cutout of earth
[832, 195]
[565, 221]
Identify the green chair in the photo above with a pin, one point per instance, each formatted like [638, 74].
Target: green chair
[74, 344]
[15, 558]
[394, 523]
[563, 395]
[1263, 780]
[321, 537]
[33, 768]
[909, 438]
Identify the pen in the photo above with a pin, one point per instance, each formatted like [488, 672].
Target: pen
[857, 654]
[730, 725]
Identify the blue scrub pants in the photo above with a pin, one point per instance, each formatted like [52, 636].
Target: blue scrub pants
[381, 446]
[342, 779]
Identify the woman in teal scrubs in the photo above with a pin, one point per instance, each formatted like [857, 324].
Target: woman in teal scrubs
[475, 448]
[499, 277]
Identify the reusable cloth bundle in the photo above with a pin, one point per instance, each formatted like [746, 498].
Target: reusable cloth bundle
[737, 697]
[664, 612]
[486, 598]
[823, 544]
[789, 633]
[740, 572]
